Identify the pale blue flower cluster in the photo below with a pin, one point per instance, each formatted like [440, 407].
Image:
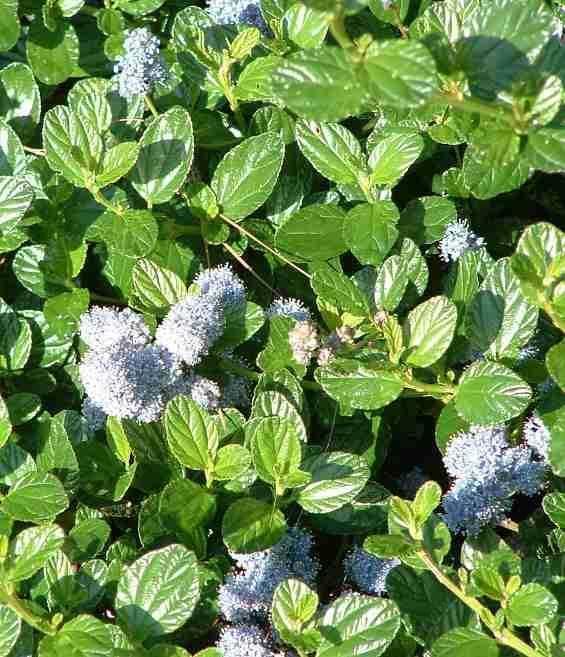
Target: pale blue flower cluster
[537, 436]
[235, 12]
[94, 416]
[248, 590]
[289, 307]
[125, 375]
[367, 572]
[141, 65]
[457, 239]
[486, 471]
[246, 640]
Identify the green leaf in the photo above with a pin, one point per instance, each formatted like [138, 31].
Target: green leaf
[250, 525]
[313, 233]
[165, 156]
[247, 174]
[30, 550]
[499, 320]
[358, 625]
[72, 145]
[131, 235]
[254, 83]
[38, 270]
[448, 424]
[12, 155]
[15, 463]
[332, 150]
[391, 283]
[277, 354]
[429, 330]
[36, 497]
[388, 546]
[9, 26]
[414, 79]
[338, 290]
[393, 155]
[427, 499]
[370, 231]
[20, 103]
[532, 604]
[184, 507]
[555, 362]
[306, 80]
[489, 393]
[305, 26]
[155, 288]
[23, 407]
[554, 506]
[158, 592]
[52, 55]
[63, 312]
[242, 322]
[232, 461]
[545, 149]
[336, 479]
[116, 162]
[275, 448]
[425, 219]
[191, 433]
[87, 539]
[15, 339]
[85, 635]
[294, 604]
[10, 624]
[359, 386]
[465, 642]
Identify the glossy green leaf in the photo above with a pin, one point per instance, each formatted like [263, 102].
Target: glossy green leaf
[20, 102]
[36, 497]
[52, 55]
[391, 283]
[275, 448]
[10, 628]
[9, 24]
[31, 549]
[393, 155]
[429, 330]
[370, 231]
[555, 362]
[532, 604]
[465, 642]
[554, 506]
[250, 525]
[155, 288]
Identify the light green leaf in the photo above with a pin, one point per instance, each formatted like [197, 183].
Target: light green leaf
[294, 604]
[429, 330]
[116, 163]
[247, 174]
[465, 642]
[391, 283]
[336, 479]
[9, 25]
[85, 635]
[254, 83]
[555, 362]
[250, 525]
[165, 156]
[532, 604]
[306, 26]
[155, 288]
[338, 290]
[370, 231]
[36, 497]
[427, 499]
[191, 433]
[332, 150]
[52, 55]
[30, 550]
[158, 592]
[20, 103]
[392, 157]
[489, 393]
[554, 506]
[425, 219]
[10, 625]
[275, 448]
[231, 462]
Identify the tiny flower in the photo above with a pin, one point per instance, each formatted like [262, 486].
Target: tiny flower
[234, 12]
[537, 436]
[191, 327]
[103, 328]
[304, 341]
[141, 65]
[94, 415]
[244, 640]
[457, 239]
[366, 572]
[222, 283]
[205, 392]
[292, 308]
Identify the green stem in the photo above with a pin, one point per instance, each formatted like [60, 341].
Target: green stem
[476, 106]
[15, 604]
[438, 390]
[339, 33]
[503, 635]
[94, 296]
[151, 106]
[102, 200]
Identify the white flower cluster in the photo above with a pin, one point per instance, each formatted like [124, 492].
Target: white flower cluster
[141, 65]
[457, 240]
[247, 592]
[289, 307]
[234, 12]
[487, 471]
[366, 572]
[128, 376]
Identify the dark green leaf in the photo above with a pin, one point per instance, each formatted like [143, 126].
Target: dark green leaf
[250, 525]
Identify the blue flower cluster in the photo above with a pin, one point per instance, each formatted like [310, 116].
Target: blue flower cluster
[248, 590]
[292, 308]
[537, 436]
[457, 239]
[366, 572]
[126, 375]
[234, 12]
[486, 471]
[246, 640]
[141, 66]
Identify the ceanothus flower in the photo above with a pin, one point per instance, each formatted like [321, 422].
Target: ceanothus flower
[293, 308]
[367, 572]
[537, 436]
[94, 415]
[191, 327]
[304, 341]
[247, 592]
[234, 12]
[222, 283]
[141, 65]
[103, 328]
[205, 392]
[487, 471]
[457, 239]
[127, 382]
[245, 640]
